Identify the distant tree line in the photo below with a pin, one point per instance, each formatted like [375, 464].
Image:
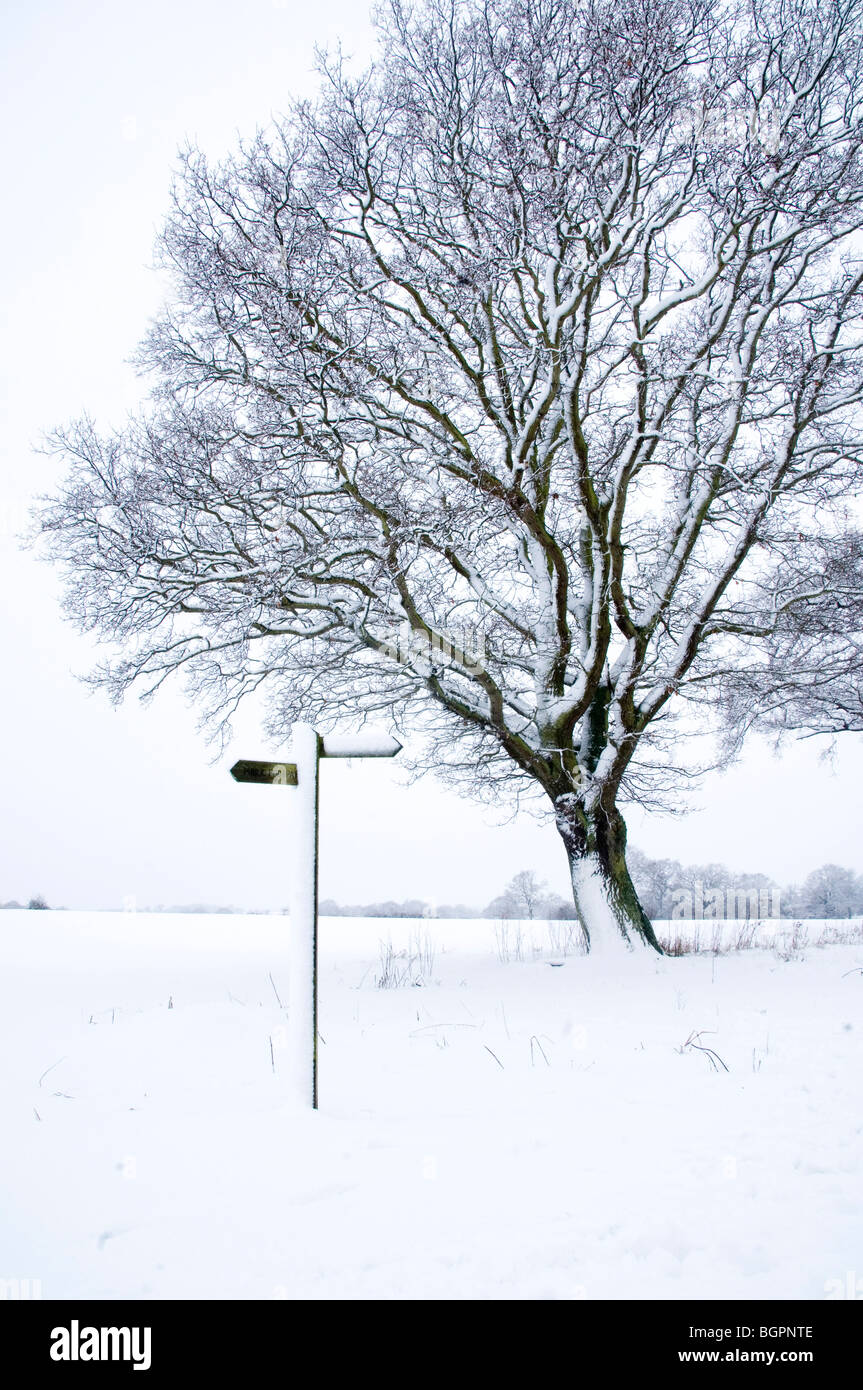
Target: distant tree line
[830, 891]
[666, 888]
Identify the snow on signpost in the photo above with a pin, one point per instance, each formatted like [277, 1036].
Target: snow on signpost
[308, 748]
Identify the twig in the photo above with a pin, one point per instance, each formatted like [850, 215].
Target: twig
[51, 1068]
[275, 991]
[712, 1057]
[535, 1039]
[496, 1058]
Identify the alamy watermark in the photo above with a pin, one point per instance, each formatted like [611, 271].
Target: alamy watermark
[699, 903]
[20, 1290]
[463, 646]
[850, 1287]
[725, 124]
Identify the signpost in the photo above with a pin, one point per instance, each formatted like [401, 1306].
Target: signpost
[308, 748]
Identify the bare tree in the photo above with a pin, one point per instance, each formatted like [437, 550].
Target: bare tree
[498, 389]
[527, 890]
[526, 896]
[655, 881]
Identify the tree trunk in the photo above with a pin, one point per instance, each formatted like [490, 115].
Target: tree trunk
[606, 901]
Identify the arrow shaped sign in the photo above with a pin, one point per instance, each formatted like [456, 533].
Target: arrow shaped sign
[270, 774]
[359, 746]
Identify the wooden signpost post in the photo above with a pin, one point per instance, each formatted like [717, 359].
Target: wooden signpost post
[308, 748]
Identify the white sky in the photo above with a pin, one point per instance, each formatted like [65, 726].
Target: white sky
[100, 805]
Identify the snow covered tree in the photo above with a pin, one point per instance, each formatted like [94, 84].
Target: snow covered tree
[831, 891]
[505, 390]
[806, 676]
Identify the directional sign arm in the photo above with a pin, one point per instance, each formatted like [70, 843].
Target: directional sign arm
[359, 746]
[265, 774]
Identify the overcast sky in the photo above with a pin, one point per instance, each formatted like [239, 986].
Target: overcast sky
[102, 805]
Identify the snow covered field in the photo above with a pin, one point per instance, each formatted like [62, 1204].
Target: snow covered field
[490, 1127]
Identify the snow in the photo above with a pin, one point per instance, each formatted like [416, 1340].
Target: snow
[591, 893]
[510, 1122]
